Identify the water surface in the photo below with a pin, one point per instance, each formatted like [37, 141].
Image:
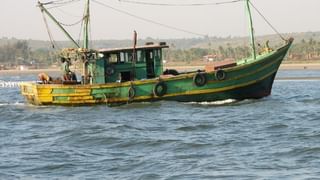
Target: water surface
[277, 137]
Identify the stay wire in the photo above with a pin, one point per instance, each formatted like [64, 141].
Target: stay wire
[58, 5]
[60, 2]
[53, 43]
[147, 20]
[265, 19]
[170, 4]
[90, 35]
[80, 33]
[69, 14]
[73, 24]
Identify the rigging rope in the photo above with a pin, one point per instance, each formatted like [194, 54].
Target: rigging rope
[80, 33]
[60, 2]
[170, 4]
[73, 24]
[57, 5]
[68, 13]
[53, 43]
[265, 19]
[146, 20]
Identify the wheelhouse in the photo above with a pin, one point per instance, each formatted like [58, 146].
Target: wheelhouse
[127, 64]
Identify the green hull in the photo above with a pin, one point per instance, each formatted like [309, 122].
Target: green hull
[248, 79]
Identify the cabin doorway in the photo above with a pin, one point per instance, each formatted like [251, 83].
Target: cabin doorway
[150, 64]
[125, 76]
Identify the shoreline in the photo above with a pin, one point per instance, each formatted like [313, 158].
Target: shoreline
[286, 66]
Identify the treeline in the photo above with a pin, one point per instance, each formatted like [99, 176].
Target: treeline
[222, 52]
[305, 50]
[300, 51]
[20, 53]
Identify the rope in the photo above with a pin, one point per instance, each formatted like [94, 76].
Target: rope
[265, 19]
[60, 2]
[57, 5]
[90, 35]
[80, 33]
[73, 24]
[48, 30]
[147, 20]
[69, 14]
[167, 4]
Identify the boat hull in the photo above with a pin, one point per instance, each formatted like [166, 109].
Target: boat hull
[247, 80]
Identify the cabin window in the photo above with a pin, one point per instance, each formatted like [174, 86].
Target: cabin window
[158, 53]
[113, 58]
[140, 58]
[123, 57]
[125, 76]
[150, 55]
[128, 56]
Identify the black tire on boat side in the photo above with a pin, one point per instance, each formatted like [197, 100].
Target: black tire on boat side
[131, 92]
[160, 89]
[200, 79]
[171, 71]
[220, 75]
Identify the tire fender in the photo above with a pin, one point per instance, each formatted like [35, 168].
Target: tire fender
[220, 75]
[160, 89]
[200, 79]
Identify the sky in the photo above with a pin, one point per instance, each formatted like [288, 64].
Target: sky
[22, 19]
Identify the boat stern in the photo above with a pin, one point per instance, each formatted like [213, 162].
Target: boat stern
[29, 92]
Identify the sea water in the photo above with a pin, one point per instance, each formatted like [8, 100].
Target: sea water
[277, 137]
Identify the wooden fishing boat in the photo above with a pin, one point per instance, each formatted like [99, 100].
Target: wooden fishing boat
[135, 74]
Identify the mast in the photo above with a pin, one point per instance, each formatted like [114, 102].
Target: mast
[86, 20]
[134, 55]
[43, 9]
[253, 47]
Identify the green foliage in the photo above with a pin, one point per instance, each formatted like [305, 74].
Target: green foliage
[305, 47]
[305, 50]
[19, 53]
[220, 53]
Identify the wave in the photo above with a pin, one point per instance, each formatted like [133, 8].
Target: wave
[13, 84]
[222, 102]
[12, 104]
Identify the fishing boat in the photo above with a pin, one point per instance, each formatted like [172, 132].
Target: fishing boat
[136, 74]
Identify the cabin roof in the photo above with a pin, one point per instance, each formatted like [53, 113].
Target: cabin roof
[151, 46]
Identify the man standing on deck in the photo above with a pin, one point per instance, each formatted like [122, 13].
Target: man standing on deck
[67, 74]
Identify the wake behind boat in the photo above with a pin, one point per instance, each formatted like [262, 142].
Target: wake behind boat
[136, 74]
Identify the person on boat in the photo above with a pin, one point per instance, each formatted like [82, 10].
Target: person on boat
[119, 78]
[67, 74]
[267, 48]
[44, 78]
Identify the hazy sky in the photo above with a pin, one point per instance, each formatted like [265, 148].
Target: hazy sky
[22, 19]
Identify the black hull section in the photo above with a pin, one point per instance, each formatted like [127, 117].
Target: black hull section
[254, 91]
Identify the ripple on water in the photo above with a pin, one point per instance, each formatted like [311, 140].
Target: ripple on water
[200, 127]
[276, 137]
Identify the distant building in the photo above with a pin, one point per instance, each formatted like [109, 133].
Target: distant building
[2, 67]
[22, 67]
[211, 57]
